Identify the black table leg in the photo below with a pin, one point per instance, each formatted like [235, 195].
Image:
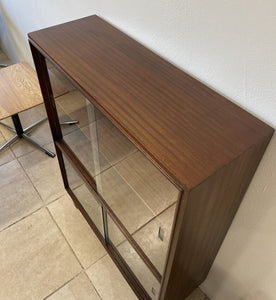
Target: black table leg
[17, 125]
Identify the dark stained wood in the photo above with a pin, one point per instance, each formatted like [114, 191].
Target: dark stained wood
[62, 167]
[187, 129]
[47, 93]
[207, 213]
[204, 143]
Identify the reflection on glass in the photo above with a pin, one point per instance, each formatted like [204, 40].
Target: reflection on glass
[81, 137]
[138, 267]
[96, 142]
[154, 237]
[144, 201]
[124, 202]
[85, 197]
[60, 84]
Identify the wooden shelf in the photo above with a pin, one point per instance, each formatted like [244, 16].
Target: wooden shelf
[156, 147]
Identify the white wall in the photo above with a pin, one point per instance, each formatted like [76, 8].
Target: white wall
[22, 17]
[229, 45]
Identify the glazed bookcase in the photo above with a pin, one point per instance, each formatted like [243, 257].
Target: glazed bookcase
[158, 163]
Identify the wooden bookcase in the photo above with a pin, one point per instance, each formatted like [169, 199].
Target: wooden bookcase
[159, 162]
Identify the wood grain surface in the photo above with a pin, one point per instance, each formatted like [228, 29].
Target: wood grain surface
[19, 89]
[186, 128]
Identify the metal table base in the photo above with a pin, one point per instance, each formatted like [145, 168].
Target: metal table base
[21, 133]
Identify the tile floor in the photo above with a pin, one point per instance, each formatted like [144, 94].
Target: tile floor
[47, 250]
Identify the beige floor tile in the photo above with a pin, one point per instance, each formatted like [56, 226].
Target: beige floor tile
[80, 236]
[44, 173]
[80, 288]
[35, 259]
[197, 295]
[108, 281]
[7, 155]
[18, 196]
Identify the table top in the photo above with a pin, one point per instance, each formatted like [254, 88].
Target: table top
[19, 89]
[187, 129]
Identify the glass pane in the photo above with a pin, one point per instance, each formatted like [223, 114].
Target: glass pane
[136, 264]
[84, 195]
[144, 200]
[60, 84]
[138, 193]
[83, 137]
[131, 210]
[154, 237]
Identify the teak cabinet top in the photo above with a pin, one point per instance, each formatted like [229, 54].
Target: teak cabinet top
[184, 127]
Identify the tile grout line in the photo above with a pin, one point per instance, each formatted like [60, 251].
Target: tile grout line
[75, 276]
[106, 254]
[14, 157]
[44, 205]
[7, 162]
[25, 172]
[21, 219]
[29, 214]
[82, 267]
[84, 271]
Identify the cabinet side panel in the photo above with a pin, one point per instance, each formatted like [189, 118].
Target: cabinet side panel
[209, 211]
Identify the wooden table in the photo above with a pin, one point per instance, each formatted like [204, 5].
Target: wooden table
[19, 91]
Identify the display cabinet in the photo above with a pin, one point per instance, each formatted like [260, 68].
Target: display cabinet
[158, 163]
